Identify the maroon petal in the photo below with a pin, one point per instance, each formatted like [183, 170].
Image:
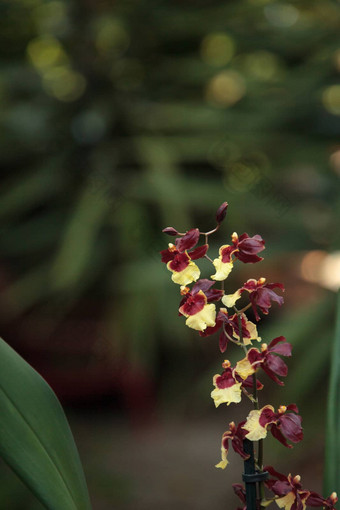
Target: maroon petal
[188, 241]
[272, 375]
[226, 253]
[252, 298]
[275, 341]
[290, 425]
[248, 383]
[247, 258]
[237, 445]
[263, 297]
[214, 295]
[297, 505]
[199, 252]
[276, 365]
[193, 304]
[293, 407]
[226, 380]
[285, 348]
[251, 245]
[275, 473]
[203, 284]
[168, 255]
[223, 342]
[314, 499]
[171, 231]
[281, 487]
[266, 416]
[274, 286]
[250, 285]
[221, 212]
[180, 262]
[254, 356]
[239, 491]
[279, 436]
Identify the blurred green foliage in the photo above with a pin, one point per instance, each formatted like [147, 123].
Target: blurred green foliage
[122, 117]
[331, 475]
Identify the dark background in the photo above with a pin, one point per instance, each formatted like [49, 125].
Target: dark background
[119, 118]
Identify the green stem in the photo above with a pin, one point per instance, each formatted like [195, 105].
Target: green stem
[256, 406]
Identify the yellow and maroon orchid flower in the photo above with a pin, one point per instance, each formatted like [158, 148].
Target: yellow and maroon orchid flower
[236, 436]
[314, 499]
[267, 359]
[229, 384]
[227, 389]
[260, 294]
[288, 489]
[291, 495]
[280, 424]
[230, 328]
[195, 307]
[244, 248]
[179, 261]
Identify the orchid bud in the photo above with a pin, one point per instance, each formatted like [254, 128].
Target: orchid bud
[221, 212]
[171, 231]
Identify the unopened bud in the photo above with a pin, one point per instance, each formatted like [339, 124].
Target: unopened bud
[171, 231]
[221, 212]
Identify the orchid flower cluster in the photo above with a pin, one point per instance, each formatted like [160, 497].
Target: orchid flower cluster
[209, 310]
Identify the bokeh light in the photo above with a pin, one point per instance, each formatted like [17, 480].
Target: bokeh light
[322, 268]
[217, 49]
[282, 15]
[46, 52]
[226, 88]
[331, 99]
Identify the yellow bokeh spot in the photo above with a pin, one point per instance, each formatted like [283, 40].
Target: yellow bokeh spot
[64, 83]
[262, 65]
[51, 17]
[217, 49]
[225, 89]
[334, 160]
[281, 15]
[337, 60]
[111, 37]
[331, 99]
[45, 52]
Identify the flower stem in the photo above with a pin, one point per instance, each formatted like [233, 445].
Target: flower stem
[255, 401]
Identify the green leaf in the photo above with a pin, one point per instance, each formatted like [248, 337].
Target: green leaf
[332, 458]
[35, 438]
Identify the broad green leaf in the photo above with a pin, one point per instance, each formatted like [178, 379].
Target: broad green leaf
[35, 438]
[332, 458]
